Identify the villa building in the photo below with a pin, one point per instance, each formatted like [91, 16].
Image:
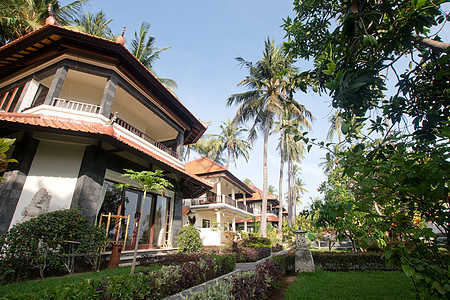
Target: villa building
[82, 109]
[219, 209]
[255, 203]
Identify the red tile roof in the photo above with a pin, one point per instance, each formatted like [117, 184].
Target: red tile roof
[258, 195]
[53, 122]
[204, 165]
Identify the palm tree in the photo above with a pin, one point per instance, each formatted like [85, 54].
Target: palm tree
[272, 191]
[210, 147]
[290, 150]
[231, 142]
[20, 17]
[96, 24]
[142, 47]
[335, 128]
[268, 84]
[331, 159]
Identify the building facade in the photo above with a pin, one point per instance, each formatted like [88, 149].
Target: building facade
[82, 109]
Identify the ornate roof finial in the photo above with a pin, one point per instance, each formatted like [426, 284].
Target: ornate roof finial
[52, 19]
[120, 38]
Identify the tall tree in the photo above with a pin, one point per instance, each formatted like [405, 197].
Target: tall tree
[19, 17]
[95, 24]
[231, 142]
[210, 147]
[354, 45]
[268, 84]
[143, 48]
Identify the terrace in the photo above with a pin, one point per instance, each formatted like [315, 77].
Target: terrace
[217, 199]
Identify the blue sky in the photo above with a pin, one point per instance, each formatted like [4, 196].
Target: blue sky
[205, 36]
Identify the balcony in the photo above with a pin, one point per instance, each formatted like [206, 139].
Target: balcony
[219, 199]
[95, 109]
[91, 113]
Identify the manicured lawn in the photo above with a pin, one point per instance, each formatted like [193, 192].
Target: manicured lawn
[350, 285]
[49, 283]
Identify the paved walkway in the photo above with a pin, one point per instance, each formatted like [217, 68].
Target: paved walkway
[240, 267]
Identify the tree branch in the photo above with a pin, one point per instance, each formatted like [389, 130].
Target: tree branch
[433, 44]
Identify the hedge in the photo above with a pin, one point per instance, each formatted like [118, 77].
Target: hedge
[148, 285]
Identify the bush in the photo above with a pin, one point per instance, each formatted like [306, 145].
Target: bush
[189, 240]
[285, 262]
[39, 246]
[277, 248]
[257, 242]
[144, 285]
[342, 261]
[169, 259]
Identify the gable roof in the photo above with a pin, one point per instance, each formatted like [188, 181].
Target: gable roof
[205, 167]
[258, 195]
[50, 41]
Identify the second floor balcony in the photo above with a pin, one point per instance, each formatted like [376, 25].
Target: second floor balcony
[217, 199]
[90, 112]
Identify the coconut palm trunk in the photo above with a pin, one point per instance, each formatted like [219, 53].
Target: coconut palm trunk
[280, 187]
[263, 228]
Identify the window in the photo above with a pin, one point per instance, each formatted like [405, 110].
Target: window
[206, 223]
[40, 95]
[9, 99]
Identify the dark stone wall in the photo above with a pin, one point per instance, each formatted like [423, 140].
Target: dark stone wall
[88, 189]
[177, 214]
[11, 188]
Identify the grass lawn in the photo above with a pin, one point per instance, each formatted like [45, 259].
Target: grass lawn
[350, 285]
[49, 283]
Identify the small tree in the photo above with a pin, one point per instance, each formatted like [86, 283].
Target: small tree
[189, 240]
[149, 181]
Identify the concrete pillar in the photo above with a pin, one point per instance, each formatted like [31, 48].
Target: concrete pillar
[234, 224]
[219, 221]
[233, 196]
[108, 96]
[245, 225]
[219, 190]
[57, 84]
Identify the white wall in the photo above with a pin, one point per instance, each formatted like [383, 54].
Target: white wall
[209, 237]
[55, 167]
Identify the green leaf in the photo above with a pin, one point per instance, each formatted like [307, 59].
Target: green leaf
[388, 254]
[439, 287]
[345, 128]
[409, 271]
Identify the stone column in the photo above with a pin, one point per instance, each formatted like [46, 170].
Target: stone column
[245, 225]
[303, 258]
[108, 96]
[56, 85]
[234, 224]
[180, 143]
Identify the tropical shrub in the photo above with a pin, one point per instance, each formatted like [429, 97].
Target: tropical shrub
[257, 242]
[189, 240]
[39, 246]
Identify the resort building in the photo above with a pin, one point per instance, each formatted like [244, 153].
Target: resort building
[82, 109]
[255, 203]
[219, 209]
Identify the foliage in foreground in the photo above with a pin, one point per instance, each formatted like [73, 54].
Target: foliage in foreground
[39, 246]
[147, 284]
[244, 286]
